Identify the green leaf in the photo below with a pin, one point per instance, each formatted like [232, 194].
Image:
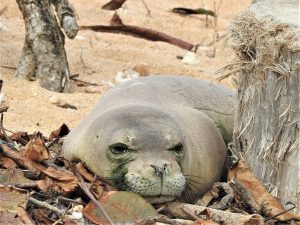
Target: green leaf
[122, 207]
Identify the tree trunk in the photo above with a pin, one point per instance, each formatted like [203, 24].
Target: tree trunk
[44, 56]
[266, 41]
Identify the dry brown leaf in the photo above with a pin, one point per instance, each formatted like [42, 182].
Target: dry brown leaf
[41, 217]
[98, 189]
[99, 186]
[63, 175]
[63, 178]
[24, 217]
[205, 222]
[36, 150]
[142, 69]
[17, 157]
[67, 221]
[60, 132]
[270, 206]
[2, 136]
[56, 185]
[84, 173]
[20, 137]
[7, 163]
[45, 184]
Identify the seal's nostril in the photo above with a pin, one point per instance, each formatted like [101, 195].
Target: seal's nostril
[160, 171]
[156, 169]
[164, 169]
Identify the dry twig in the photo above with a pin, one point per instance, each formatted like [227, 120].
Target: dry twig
[161, 219]
[147, 8]
[45, 205]
[118, 27]
[9, 67]
[86, 190]
[3, 109]
[3, 130]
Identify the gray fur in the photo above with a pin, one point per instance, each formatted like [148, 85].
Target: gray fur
[150, 114]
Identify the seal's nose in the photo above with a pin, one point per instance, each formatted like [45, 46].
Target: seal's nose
[160, 171]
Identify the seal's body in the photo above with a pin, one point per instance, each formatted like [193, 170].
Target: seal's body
[158, 136]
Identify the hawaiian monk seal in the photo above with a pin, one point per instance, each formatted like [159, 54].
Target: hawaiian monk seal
[158, 136]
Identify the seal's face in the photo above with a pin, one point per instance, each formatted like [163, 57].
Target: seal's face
[145, 151]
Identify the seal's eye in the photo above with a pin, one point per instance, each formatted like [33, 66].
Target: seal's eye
[118, 148]
[177, 149]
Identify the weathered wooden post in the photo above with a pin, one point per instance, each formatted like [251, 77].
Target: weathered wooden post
[266, 39]
[44, 56]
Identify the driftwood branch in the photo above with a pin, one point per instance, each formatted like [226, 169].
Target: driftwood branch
[113, 4]
[118, 27]
[222, 217]
[187, 11]
[226, 200]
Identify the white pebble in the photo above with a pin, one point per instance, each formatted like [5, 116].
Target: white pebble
[55, 99]
[77, 208]
[2, 98]
[190, 58]
[126, 75]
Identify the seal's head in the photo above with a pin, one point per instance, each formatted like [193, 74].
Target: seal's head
[137, 148]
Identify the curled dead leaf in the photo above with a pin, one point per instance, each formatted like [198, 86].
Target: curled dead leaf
[143, 69]
[20, 137]
[60, 132]
[16, 156]
[8, 163]
[36, 150]
[45, 184]
[270, 206]
[205, 222]
[57, 185]
[84, 173]
[24, 217]
[41, 217]
[63, 178]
